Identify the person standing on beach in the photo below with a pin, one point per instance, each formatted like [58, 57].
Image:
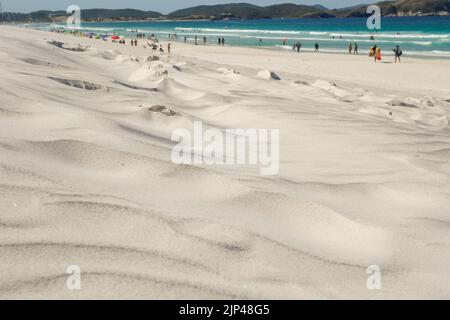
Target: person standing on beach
[398, 53]
[373, 52]
[196, 38]
[204, 40]
[223, 41]
[185, 39]
[378, 54]
[350, 48]
[355, 51]
[316, 47]
[169, 47]
[219, 41]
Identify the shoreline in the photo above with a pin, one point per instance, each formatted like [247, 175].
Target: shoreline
[416, 54]
[362, 60]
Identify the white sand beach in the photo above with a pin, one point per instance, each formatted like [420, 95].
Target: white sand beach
[86, 176]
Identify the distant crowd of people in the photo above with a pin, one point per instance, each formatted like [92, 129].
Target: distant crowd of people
[153, 43]
[353, 49]
[375, 52]
[204, 40]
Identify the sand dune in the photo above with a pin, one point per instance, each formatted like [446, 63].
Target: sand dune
[86, 176]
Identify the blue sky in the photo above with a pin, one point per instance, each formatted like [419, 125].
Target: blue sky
[163, 6]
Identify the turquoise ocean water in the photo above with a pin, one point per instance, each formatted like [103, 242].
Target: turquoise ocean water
[421, 36]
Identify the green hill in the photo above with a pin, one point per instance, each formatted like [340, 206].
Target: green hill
[93, 14]
[401, 8]
[289, 10]
[246, 11]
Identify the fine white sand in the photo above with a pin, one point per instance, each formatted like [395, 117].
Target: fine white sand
[86, 176]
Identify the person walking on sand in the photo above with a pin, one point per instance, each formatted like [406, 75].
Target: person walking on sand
[378, 54]
[398, 53]
[350, 48]
[169, 47]
[223, 41]
[316, 47]
[355, 51]
[373, 52]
